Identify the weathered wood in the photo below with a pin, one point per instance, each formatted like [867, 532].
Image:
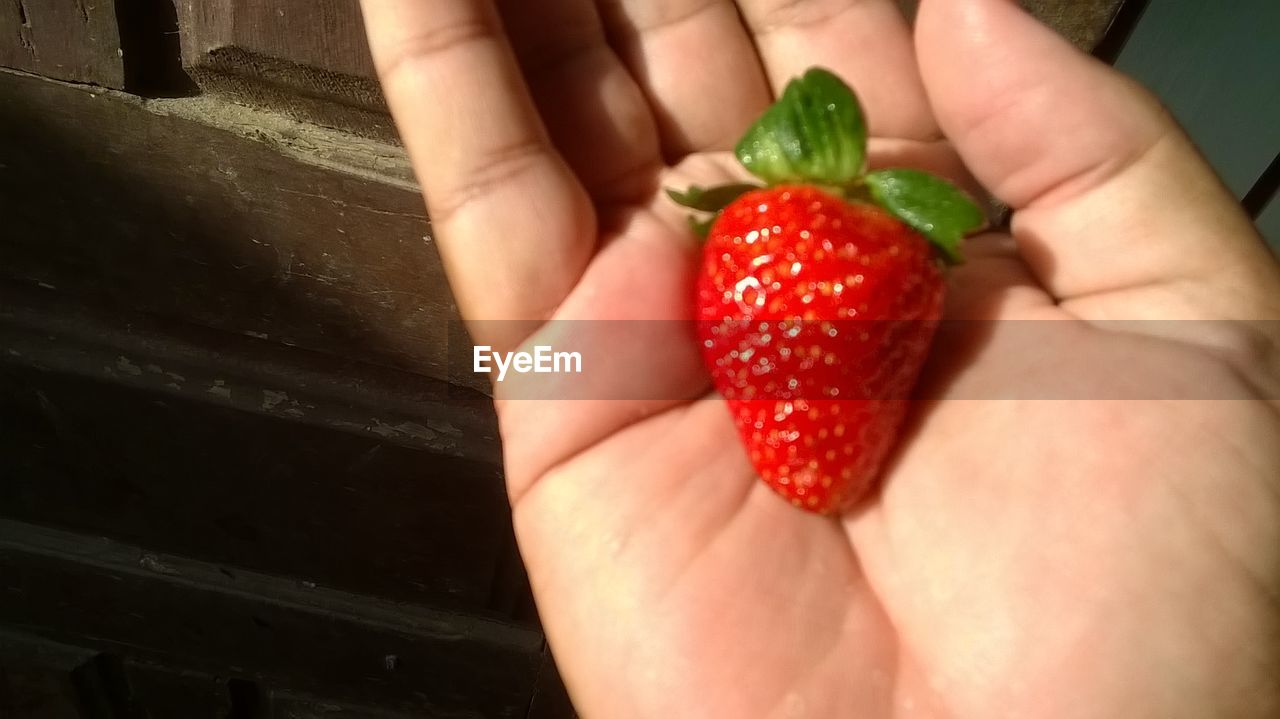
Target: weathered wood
[338, 473]
[236, 488]
[127, 205]
[306, 58]
[45, 330]
[27, 693]
[191, 617]
[324, 34]
[75, 40]
[155, 690]
[41, 679]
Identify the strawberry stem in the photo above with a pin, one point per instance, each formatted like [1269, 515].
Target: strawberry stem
[816, 134]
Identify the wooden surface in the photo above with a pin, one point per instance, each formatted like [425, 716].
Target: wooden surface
[306, 58]
[44, 680]
[327, 35]
[263, 629]
[196, 223]
[74, 40]
[44, 329]
[216, 449]
[41, 678]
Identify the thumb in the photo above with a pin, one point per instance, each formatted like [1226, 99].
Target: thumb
[1115, 212]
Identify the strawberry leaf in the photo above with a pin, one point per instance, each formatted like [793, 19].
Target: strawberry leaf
[702, 227]
[710, 199]
[934, 207]
[814, 133]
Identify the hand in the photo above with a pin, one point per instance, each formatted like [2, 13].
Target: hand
[1025, 557]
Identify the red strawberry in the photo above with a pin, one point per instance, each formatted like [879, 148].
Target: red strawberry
[818, 297]
[815, 315]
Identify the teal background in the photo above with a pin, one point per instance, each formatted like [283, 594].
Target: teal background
[1216, 64]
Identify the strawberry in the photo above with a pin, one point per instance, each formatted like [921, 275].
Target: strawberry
[819, 293]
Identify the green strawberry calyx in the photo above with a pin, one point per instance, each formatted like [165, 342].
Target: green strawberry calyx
[816, 134]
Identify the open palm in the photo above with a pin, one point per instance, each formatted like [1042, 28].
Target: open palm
[1084, 516]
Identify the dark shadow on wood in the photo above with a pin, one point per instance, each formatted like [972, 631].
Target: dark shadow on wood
[103, 690]
[196, 359]
[151, 50]
[246, 700]
[127, 206]
[178, 636]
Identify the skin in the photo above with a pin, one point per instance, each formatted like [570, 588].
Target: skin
[1109, 546]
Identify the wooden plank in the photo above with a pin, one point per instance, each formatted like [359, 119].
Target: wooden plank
[399, 475]
[231, 487]
[17, 648]
[43, 679]
[169, 691]
[48, 331]
[306, 58]
[27, 693]
[327, 35]
[329, 471]
[37, 678]
[74, 40]
[189, 616]
[129, 205]
[68, 680]
[1214, 65]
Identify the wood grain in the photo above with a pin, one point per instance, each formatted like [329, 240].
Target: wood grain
[74, 40]
[112, 202]
[306, 58]
[314, 475]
